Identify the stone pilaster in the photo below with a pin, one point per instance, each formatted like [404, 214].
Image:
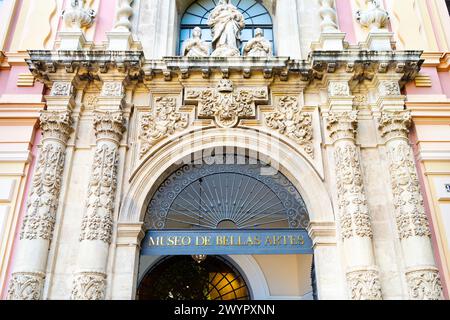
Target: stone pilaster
[355, 221]
[37, 229]
[412, 223]
[97, 225]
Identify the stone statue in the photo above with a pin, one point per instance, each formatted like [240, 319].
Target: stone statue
[195, 47]
[258, 46]
[226, 23]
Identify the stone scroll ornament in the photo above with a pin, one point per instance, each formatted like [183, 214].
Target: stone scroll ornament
[225, 104]
[160, 124]
[76, 16]
[292, 122]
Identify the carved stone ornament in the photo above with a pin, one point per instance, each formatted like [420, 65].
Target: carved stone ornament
[424, 284]
[354, 212]
[25, 286]
[395, 124]
[97, 223]
[113, 89]
[226, 23]
[195, 47]
[163, 122]
[61, 88]
[410, 212]
[292, 122]
[339, 89]
[56, 125]
[342, 125]
[226, 105]
[258, 46]
[389, 88]
[364, 285]
[109, 125]
[39, 220]
[77, 17]
[374, 17]
[89, 286]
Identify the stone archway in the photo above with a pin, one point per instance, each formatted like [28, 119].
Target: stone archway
[148, 176]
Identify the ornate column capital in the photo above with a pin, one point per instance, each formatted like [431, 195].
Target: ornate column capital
[56, 125]
[395, 124]
[342, 125]
[109, 125]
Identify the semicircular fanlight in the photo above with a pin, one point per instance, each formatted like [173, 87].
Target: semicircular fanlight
[225, 196]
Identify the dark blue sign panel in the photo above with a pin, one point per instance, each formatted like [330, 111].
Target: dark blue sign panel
[226, 242]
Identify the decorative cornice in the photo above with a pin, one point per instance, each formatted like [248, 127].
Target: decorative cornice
[361, 64]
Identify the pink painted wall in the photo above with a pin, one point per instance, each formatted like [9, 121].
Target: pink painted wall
[105, 19]
[436, 83]
[8, 82]
[23, 207]
[444, 77]
[345, 17]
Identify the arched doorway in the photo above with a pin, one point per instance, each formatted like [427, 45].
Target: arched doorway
[245, 203]
[187, 278]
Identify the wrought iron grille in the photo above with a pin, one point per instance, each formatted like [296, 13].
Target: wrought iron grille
[226, 196]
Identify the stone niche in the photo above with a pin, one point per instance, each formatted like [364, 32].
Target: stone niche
[156, 25]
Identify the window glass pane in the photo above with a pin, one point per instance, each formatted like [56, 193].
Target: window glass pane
[255, 15]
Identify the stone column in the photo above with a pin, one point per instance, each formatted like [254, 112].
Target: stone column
[422, 276]
[28, 277]
[97, 225]
[355, 221]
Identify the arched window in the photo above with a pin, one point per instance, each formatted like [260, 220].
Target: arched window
[255, 14]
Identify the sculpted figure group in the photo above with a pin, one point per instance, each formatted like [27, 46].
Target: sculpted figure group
[226, 24]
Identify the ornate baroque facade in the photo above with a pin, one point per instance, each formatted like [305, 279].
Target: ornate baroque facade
[354, 115]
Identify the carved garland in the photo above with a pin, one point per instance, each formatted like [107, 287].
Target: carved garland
[226, 105]
[364, 285]
[163, 122]
[42, 204]
[97, 223]
[424, 284]
[355, 218]
[25, 286]
[292, 122]
[89, 286]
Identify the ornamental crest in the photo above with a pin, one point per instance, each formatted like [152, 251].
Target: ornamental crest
[226, 105]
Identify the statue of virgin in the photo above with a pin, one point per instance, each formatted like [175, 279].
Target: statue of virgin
[226, 23]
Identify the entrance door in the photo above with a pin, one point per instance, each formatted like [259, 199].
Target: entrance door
[187, 278]
[227, 205]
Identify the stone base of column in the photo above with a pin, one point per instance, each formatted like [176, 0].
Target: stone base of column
[379, 41]
[122, 41]
[424, 283]
[89, 286]
[72, 40]
[330, 41]
[364, 284]
[26, 286]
